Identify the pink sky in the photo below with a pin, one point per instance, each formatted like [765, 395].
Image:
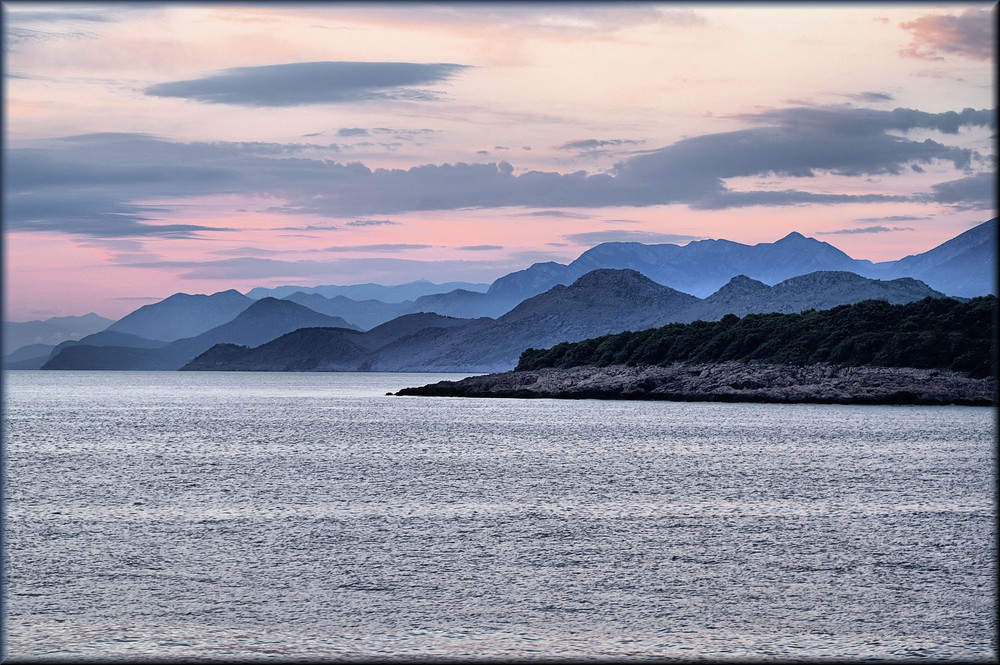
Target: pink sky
[155, 149]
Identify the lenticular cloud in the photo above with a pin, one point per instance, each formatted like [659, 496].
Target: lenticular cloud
[302, 83]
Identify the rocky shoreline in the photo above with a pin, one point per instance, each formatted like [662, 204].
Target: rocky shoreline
[730, 382]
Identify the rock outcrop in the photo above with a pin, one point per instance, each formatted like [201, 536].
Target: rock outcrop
[730, 382]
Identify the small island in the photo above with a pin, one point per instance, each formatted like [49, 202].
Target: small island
[929, 352]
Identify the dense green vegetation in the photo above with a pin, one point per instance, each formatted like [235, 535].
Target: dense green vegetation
[938, 333]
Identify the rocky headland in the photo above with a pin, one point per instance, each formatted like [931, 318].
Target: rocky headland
[730, 382]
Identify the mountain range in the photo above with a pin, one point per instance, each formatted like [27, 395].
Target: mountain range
[598, 303]
[18, 334]
[262, 321]
[609, 288]
[388, 294]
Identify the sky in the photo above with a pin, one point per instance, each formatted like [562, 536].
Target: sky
[155, 148]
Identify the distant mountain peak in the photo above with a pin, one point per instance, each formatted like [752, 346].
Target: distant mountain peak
[742, 283]
[610, 276]
[795, 236]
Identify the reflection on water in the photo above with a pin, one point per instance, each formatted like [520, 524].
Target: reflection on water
[312, 516]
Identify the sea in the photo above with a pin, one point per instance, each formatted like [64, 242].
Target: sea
[311, 516]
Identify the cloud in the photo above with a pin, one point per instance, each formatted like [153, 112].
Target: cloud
[57, 16]
[977, 192]
[848, 121]
[614, 235]
[593, 144]
[59, 21]
[15, 37]
[373, 222]
[248, 251]
[302, 83]
[352, 131]
[62, 12]
[307, 227]
[971, 34]
[725, 200]
[374, 248]
[91, 214]
[867, 229]
[871, 97]
[479, 248]
[561, 214]
[101, 183]
[891, 218]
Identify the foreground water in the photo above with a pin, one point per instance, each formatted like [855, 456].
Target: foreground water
[223, 515]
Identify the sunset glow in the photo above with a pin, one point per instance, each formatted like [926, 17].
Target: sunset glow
[160, 148]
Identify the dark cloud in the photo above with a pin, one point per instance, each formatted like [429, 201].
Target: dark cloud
[977, 192]
[302, 83]
[971, 34]
[94, 214]
[871, 97]
[61, 21]
[97, 183]
[594, 144]
[890, 218]
[308, 227]
[614, 235]
[846, 121]
[479, 248]
[15, 36]
[352, 131]
[373, 222]
[57, 16]
[866, 229]
[561, 214]
[725, 200]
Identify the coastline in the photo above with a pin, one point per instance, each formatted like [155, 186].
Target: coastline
[729, 382]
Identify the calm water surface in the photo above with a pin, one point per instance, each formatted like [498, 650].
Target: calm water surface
[277, 516]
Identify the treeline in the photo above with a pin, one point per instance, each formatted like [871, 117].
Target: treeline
[933, 333]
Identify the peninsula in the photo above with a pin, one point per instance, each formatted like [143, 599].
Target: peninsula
[934, 351]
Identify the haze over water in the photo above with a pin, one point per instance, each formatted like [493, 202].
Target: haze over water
[310, 515]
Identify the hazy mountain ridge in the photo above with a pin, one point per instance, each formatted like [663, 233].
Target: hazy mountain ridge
[599, 303]
[259, 323]
[319, 349]
[818, 290]
[488, 344]
[365, 314]
[52, 331]
[963, 266]
[182, 315]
